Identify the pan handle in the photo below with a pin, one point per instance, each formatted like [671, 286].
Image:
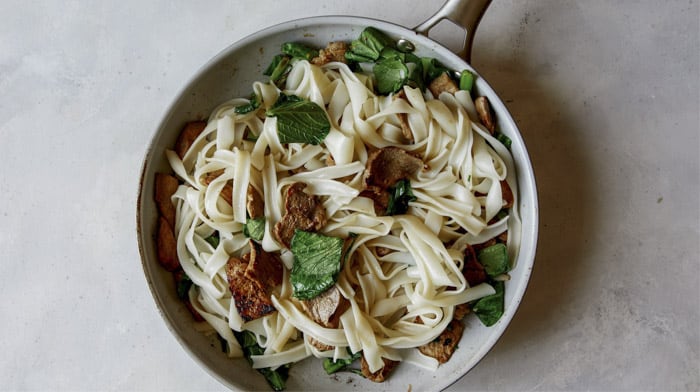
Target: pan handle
[465, 13]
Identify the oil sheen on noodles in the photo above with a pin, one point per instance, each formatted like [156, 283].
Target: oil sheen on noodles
[458, 193]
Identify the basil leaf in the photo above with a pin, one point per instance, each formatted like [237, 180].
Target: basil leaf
[391, 74]
[490, 308]
[316, 263]
[299, 120]
[494, 259]
[276, 378]
[297, 50]
[399, 197]
[254, 228]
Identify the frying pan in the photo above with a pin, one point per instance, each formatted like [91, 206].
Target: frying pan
[231, 74]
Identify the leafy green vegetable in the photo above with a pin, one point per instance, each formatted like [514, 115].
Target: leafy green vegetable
[391, 74]
[504, 139]
[368, 46]
[299, 120]
[494, 259]
[249, 107]
[316, 263]
[213, 240]
[297, 50]
[466, 80]
[432, 69]
[331, 366]
[276, 378]
[278, 69]
[254, 228]
[183, 287]
[490, 308]
[399, 197]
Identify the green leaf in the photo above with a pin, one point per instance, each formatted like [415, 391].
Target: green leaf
[254, 228]
[466, 80]
[213, 240]
[183, 287]
[368, 46]
[278, 69]
[316, 263]
[494, 259]
[505, 140]
[490, 308]
[297, 50]
[276, 378]
[249, 107]
[399, 197]
[331, 366]
[432, 69]
[391, 74]
[299, 120]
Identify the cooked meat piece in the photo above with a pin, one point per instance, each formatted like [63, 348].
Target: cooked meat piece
[403, 119]
[443, 84]
[379, 196]
[187, 136]
[483, 109]
[264, 268]
[319, 345]
[167, 246]
[381, 374]
[507, 195]
[382, 251]
[227, 191]
[388, 165]
[302, 211]
[461, 310]
[254, 203]
[179, 275]
[334, 51]
[473, 271]
[503, 237]
[444, 345]
[252, 302]
[166, 185]
[327, 308]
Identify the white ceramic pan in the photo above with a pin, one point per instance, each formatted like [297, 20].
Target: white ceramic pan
[230, 74]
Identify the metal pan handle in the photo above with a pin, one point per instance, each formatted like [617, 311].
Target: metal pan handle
[464, 13]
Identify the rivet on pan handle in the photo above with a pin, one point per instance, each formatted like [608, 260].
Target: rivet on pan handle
[465, 13]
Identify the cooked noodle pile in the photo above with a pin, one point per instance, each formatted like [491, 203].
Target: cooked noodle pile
[400, 269]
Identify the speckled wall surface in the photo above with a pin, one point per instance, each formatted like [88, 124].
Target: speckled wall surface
[605, 94]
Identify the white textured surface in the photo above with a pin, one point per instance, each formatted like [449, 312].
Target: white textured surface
[605, 94]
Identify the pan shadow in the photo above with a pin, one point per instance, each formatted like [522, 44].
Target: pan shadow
[566, 191]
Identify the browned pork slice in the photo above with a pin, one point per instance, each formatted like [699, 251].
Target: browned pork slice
[388, 165]
[443, 84]
[302, 212]
[166, 186]
[381, 374]
[265, 269]
[379, 196]
[403, 119]
[444, 345]
[483, 109]
[326, 310]
[334, 51]
[187, 136]
[167, 246]
[251, 280]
